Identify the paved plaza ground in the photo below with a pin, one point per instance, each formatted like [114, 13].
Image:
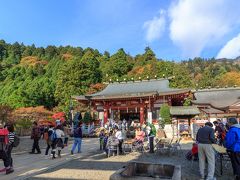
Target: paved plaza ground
[93, 164]
[26, 164]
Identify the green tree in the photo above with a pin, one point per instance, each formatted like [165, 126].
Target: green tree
[165, 115]
[3, 50]
[187, 101]
[76, 76]
[182, 77]
[118, 65]
[146, 58]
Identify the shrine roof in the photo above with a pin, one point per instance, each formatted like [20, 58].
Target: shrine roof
[136, 89]
[211, 110]
[184, 110]
[235, 107]
[218, 98]
[82, 98]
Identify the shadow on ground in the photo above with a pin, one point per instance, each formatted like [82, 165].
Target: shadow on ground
[97, 166]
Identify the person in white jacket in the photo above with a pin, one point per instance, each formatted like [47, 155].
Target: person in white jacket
[119, 136]
[58, 141]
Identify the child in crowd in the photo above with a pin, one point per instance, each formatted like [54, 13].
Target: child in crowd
[193, 154]
[101, 139]
[195, 151]
[105, 139]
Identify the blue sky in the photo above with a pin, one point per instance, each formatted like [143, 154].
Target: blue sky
[175, 30]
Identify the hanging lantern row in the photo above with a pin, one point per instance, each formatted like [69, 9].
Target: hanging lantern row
[139, 79]
[216, 87]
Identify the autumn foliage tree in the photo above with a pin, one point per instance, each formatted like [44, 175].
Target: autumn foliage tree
[33, 76]
[230, 79]
[32, 113]
[95, 88]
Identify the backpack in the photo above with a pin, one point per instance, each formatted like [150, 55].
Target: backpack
[77, 132]
[53, 136]
[16, 141]
[3, 142]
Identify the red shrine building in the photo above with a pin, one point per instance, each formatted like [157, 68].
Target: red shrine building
[134, 100]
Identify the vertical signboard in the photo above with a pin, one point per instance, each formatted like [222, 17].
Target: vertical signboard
[150, 117]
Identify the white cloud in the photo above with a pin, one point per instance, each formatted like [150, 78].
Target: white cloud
[196, 24]
[155, 27]
[231, 49]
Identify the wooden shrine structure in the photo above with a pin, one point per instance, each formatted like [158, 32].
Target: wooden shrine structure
[134, 100]
[218, 102]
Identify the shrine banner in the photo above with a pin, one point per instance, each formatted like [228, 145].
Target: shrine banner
[101, 115]
[150, 117]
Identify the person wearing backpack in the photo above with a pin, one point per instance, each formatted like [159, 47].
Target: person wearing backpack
[11, 136]
[233, 146]
[49, 139]
[36, 134]
[77, 134]
[4, 144]
[57, 142]
[60, 136]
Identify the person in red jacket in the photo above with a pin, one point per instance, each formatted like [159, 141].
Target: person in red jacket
[193, 154]
[195, 151]
[4, 150]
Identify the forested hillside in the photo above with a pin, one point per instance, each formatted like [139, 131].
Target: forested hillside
[35, 76]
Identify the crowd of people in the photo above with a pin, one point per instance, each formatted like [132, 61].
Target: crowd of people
[56, 138]
[113, 135]
[227, 135]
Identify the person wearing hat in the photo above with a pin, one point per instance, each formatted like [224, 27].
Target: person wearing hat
[205, 139]
[233, 145]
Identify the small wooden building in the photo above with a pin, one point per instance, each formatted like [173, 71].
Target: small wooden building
[182, 118]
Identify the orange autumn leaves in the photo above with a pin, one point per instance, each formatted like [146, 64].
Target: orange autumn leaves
[32, 61]
[230, 79]
[95, 88]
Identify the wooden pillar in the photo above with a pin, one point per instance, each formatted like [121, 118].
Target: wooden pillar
[149, 103]
[142, 115]
[105, 116]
